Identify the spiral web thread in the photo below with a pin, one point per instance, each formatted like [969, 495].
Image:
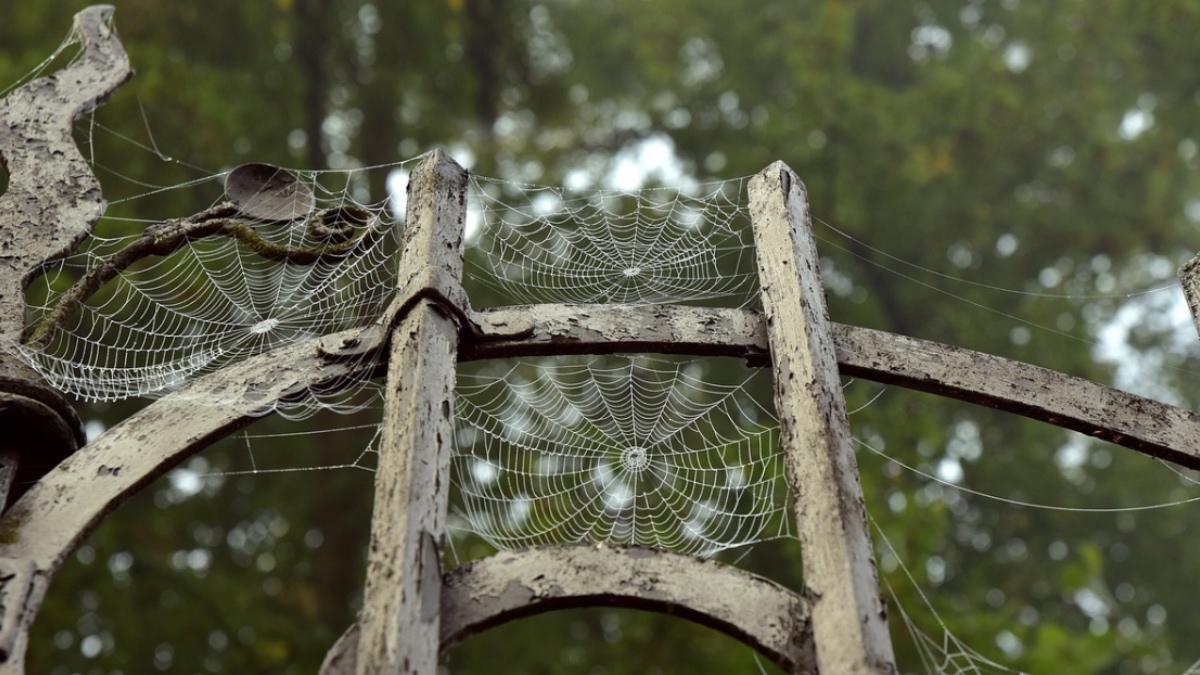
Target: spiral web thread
[625, 450]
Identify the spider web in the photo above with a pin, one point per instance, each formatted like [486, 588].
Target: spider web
[537, 244]
[166, 320]
[620, 450]
[626, 450]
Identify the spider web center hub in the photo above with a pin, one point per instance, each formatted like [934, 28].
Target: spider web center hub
[264, 326]
[635, 458]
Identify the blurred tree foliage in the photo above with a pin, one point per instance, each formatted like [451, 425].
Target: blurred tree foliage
[999, 175]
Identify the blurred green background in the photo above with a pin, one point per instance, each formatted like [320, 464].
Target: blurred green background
[1008, 176]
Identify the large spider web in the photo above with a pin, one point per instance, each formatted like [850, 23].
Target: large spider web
[538, 244]
[215, 300]
[622, 450]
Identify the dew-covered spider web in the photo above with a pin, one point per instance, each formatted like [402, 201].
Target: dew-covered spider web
[620, 450]
[673, 454]
[535, 244]
[228, 283]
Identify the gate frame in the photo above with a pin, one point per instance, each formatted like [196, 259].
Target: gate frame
[413, 608]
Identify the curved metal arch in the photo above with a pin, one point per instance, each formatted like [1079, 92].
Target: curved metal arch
[512, 585]
[40, 530]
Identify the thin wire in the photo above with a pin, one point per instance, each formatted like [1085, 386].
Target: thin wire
[1017, 502]
[990, 287]
[250, 452]
[868, 403]
[974, 657]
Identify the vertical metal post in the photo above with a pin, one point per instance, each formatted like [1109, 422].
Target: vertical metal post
[401, 609]
[849, 619]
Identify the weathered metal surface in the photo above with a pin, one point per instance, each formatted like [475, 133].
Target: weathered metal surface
[1145, 425]
[42, 528]
[598, 329]
[431, 285]
[402, 595]
[437, 207]
[849, 618]
[52, 202]
[399, 622]
[515, 584]
[16, 583]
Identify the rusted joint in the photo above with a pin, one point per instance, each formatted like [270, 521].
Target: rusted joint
[439, 289]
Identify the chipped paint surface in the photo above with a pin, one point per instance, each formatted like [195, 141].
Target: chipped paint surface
[53, 200]
[848, 614]
[399, 622]
[515, 584]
